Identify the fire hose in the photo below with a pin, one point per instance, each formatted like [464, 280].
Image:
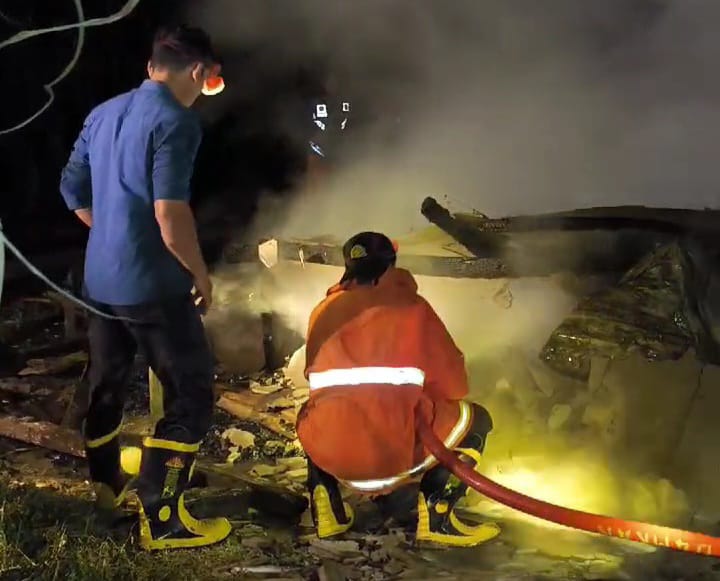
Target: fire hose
[639, 532]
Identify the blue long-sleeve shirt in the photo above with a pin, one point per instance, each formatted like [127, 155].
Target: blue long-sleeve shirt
[133, 150]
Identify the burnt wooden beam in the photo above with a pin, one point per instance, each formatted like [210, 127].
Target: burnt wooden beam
[317, 253]
[503, 249]
[481, 267]
[673, 221]
[542, 248]
[481, 242]
[44, 434]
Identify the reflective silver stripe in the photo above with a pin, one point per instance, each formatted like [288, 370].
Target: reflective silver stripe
[451, 442]
[356, 376]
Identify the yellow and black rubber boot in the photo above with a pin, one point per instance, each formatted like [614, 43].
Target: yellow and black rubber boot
[330, 514]
[440, 491]
[110, 482]
[437, 521]
[165, 523]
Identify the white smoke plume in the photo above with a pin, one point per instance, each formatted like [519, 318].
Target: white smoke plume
[507, 106]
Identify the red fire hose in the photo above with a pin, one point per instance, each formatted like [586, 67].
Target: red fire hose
[639, 532]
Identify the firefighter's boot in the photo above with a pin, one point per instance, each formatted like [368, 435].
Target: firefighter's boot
[330, 514]
[437, 521]
[131, 457]
[165, 523]
[110, 482]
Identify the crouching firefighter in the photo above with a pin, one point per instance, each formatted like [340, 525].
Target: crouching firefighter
[379, 360]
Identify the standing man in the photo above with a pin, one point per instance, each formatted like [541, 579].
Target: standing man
[128, 180]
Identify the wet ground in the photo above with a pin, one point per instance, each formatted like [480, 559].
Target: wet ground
[48, 528]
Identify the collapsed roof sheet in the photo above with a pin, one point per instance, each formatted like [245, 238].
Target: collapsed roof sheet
[662, 307]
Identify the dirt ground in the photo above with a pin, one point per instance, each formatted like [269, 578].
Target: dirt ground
[48, 529]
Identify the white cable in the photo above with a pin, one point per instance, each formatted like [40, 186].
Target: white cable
[25, 34]
[81, 25]
[43, 277]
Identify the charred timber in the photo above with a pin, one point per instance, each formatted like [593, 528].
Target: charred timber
[540, 247]
[658, 220]
[43, 434]
[481, 267]
[489, 242]
[329, 254]
[525, 245]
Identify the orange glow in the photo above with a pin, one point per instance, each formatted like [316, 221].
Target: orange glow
[213, 86]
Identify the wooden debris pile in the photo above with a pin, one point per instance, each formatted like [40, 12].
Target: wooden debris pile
[365, 557]
[272, 402]
[269, 400]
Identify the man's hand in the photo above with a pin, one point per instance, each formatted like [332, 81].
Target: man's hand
[203, 293]
[85, 216]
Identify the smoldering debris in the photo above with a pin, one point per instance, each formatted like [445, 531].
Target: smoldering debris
[542, 455]
[566, 437]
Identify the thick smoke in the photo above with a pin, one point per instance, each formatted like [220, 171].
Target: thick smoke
[505, 106]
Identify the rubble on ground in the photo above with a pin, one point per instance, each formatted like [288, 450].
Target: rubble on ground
[623, 394]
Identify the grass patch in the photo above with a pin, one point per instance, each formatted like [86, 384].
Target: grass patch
[47, 535]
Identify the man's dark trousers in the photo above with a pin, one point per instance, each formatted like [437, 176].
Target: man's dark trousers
[171, 337]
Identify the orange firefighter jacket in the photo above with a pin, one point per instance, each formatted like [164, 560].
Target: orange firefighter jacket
[378, 357]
